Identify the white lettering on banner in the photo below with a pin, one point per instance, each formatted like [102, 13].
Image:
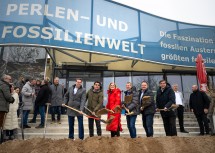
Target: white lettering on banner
[100, 41]
[132, 48]
[20, 28]
[125, 46]
[33, 30]
[78, 36]
[206, 60]
[66, 36]
[113, 43]
[111, 24]
[173, 46]
[87, 38]
[60, 11]
[35, 8]
[175, 36]
[6, 29]
[46, 11]
[24, 9]
[11, 8]
[174, 57]
[48, 33]
[56, 34]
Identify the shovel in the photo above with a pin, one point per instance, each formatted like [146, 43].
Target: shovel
[45, 124]
[96, 118]
[104, 111]
[128, 112]
[173, 106]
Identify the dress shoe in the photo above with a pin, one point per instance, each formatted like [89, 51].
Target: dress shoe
[59, 122]
[39, 126]
[53, 122]
[32, 121]
[26, 126]
[184, 131]
[201, 134]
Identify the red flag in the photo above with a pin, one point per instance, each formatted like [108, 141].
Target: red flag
[201, 73]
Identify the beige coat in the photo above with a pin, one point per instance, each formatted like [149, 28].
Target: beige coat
[11, 120]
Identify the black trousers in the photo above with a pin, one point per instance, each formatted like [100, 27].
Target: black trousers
[115, 133]
[203, 123]
[91, 127]
[170, 125]
[180, 114]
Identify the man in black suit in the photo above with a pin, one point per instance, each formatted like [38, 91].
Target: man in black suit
[199, 104]
[164, 100]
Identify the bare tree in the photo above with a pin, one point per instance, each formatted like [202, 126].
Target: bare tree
[23, 54]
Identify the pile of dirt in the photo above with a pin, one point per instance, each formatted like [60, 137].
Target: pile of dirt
[116, 145]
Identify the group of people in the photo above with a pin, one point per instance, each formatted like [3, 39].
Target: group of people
[35, 94]
[166, 97]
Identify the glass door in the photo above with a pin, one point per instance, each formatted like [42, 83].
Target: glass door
[88, 78]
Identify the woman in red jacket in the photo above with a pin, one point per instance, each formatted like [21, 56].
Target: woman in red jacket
[114, 99]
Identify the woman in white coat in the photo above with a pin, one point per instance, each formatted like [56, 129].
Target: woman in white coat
[11, 120]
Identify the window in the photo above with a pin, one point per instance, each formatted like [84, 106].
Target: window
[187, 82]
[154, 82]
[121, 78]
[175, 79]
[137, 78]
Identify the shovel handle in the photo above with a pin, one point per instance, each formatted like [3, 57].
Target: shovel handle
[80, 112]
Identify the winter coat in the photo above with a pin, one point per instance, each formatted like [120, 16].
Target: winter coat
[76, 101]
[57, 93]
[198, 102]
[20, 84]
[43, 95]
[165, 98]
[95, 100]
[211, 97]
[133, 106]
[114, 99]
[37, 89]
[27, 97]
[11, 119]
[5, 96]
[150, 109]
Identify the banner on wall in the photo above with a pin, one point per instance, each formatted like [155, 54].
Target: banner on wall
[105, 27]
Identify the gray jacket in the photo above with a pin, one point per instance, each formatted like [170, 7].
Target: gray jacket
[133, 106]
[57, 93]
[76, 101]
[5, 96]
[27, 97]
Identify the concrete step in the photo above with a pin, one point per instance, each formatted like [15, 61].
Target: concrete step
[86, 134]
[57, 131]
[65, 129]
[124, 124]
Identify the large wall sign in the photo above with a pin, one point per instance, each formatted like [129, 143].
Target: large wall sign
[104, 27]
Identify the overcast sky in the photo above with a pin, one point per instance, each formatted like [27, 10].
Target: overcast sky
[190, 11]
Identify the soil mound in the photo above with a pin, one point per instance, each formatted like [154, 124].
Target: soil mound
[199, 144]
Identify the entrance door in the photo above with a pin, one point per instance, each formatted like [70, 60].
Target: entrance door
[88, 78]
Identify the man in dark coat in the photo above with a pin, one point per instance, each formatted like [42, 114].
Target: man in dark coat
[164, 100]
[133, 108]
[75, 97]
[199, 104]
[147, 111]
[41, 100]
[57, 93]
[95, 102]
[5, 99]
